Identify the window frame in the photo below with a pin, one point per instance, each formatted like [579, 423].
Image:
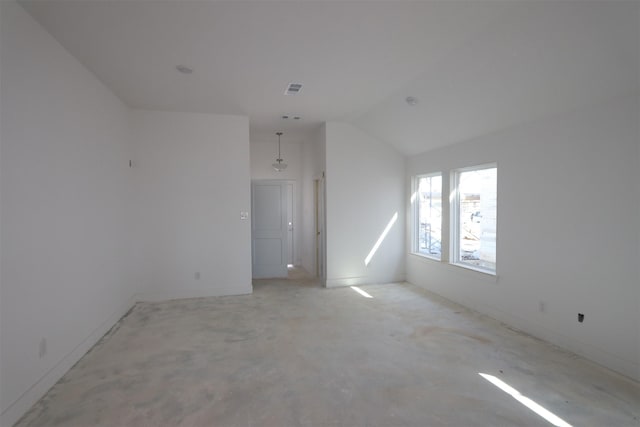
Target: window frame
[454, 234]
[415, 222]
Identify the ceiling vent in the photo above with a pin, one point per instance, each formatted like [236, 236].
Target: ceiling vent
[293, 89]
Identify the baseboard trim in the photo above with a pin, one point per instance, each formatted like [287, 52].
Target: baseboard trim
[156, 296]
[22, 404]
[596, 355]
[362, 280]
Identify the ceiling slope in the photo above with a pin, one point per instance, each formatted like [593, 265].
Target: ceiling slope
[475, 66]
[543, 59]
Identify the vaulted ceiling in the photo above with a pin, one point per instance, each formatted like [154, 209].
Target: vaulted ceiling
[475, 66]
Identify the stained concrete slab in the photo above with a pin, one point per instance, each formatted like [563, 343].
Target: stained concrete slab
[295, 354]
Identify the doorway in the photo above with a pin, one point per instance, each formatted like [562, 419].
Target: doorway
[272, 228]
[319, 225]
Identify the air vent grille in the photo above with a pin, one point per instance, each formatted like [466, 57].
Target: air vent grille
[293, 89]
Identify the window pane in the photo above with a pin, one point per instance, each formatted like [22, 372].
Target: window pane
[429, 224]
[477, 217]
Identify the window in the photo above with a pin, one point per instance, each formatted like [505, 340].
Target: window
[428, 216]
[474, 224]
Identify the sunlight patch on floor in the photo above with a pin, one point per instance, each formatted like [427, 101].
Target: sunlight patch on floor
[361, 292]
[534, 406]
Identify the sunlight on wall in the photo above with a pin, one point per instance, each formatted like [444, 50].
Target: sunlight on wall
[394, 218]
[535, 407]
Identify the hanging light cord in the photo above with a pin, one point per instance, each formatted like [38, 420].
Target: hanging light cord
[278, 165]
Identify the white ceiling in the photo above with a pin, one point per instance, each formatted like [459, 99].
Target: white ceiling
[544, 59]
[476, 66]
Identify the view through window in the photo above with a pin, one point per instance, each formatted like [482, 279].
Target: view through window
[476, 209]
[429, 216]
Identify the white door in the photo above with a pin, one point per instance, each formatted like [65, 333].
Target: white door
[290, 211]
[269, 229]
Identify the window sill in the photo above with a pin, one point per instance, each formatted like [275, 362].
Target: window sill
[463, 269]
[476, 269]
[425, 256]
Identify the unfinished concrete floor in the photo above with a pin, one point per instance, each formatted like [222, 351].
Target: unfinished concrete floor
[294, 354]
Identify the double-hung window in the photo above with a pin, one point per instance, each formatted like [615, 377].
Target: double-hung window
[474, 220]
[428, 215]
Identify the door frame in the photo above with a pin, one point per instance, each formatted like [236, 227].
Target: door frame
[294, 223]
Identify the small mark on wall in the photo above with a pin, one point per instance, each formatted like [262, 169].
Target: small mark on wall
[42, 348]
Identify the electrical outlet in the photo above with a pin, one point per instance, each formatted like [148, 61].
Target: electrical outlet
[244, 215]
[196, 275]
[42, 348]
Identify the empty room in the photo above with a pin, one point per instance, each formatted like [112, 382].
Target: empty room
[319, 213]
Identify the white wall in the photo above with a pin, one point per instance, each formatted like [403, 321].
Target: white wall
[313, 161]
[191, 183]
[1, 380]
[568, 209]
[365, 190]
[263, 155]
[65, 193]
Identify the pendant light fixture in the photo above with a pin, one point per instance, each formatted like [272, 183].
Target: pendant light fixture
[278, 165]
